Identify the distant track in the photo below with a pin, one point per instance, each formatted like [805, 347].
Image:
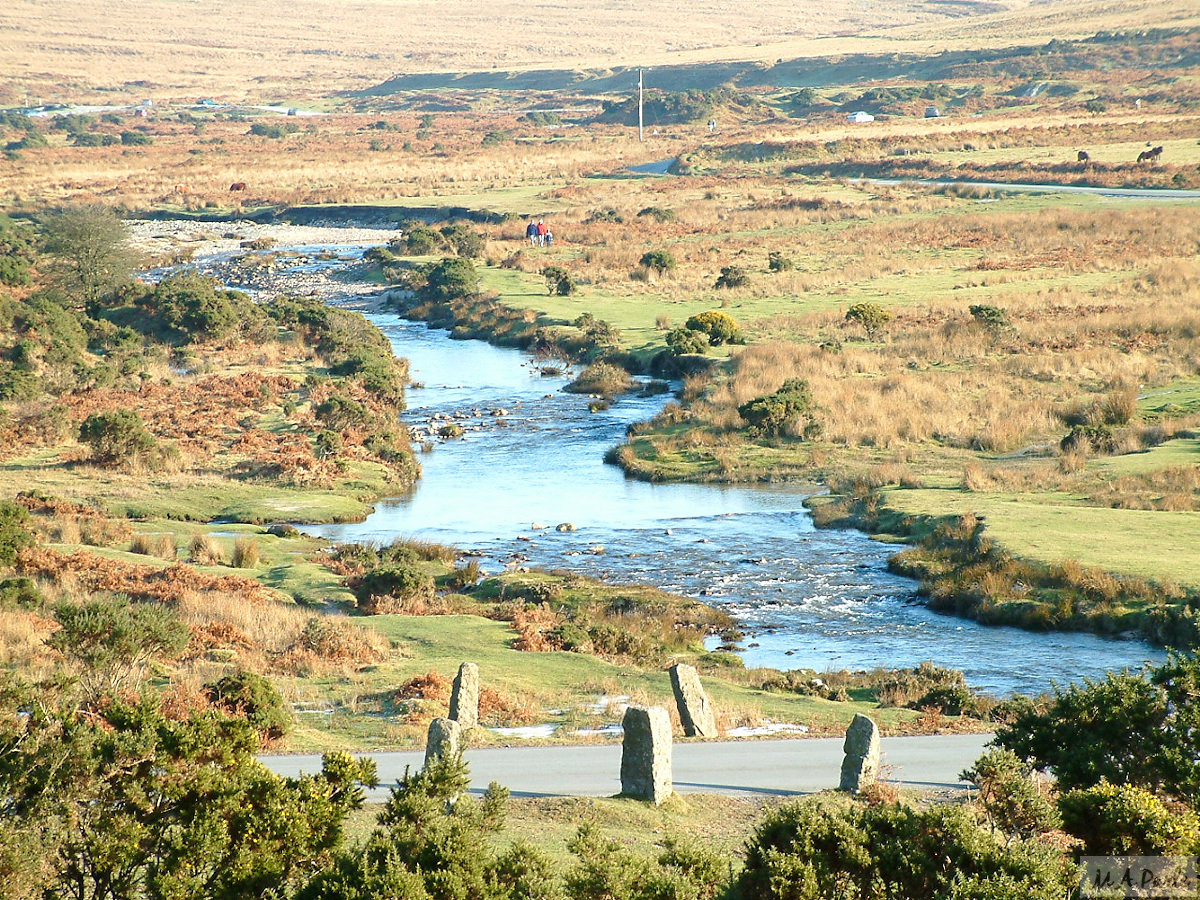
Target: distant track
[779, 767]
[1131, 193]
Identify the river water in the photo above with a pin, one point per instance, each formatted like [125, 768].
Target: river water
[533, 456]
[531, 459]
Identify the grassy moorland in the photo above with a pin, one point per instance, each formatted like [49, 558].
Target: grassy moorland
[995, 377]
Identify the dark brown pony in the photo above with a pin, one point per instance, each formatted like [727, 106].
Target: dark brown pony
[1083, 156]
[238, 186]
[1151, 155]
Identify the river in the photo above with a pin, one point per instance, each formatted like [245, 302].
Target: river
[532, 458]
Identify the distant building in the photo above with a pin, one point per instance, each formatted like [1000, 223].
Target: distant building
[860, 117]
[932, 112]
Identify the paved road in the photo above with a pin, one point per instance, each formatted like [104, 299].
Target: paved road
[1131, 193]
[714, 767]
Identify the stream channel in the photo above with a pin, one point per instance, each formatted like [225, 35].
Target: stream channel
[533, 456]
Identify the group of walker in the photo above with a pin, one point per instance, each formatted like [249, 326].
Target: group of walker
[539, 235]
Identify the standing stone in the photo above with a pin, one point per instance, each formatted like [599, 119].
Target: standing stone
[464, 698]
[443, 740]
[696, 711]
[646, 754]
[860, 768]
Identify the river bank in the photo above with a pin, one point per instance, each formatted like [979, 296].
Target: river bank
[741, 543]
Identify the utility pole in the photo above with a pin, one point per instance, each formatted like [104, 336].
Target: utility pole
[641, 134]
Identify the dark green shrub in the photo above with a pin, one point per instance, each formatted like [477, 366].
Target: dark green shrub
[93, 139]
[1138, 728]
[20, 591]
[659, 261]
[327, 444]
[777, 262]
[254, 698]
[14, 531]
[809, 850]
[720, 327]
[14, 270]
[274, 129]
[449, 279]
[136, 139]
[194, 308]
[871, 316]
[338, 413]
[1009, 794]
[685, 340]
[658, 214]
[597, 333]
[558, 281]
[116, 436]
[789, 410]
[732, 277]
[991, 317]
[464, 241]
[420, 240]
[403, 581]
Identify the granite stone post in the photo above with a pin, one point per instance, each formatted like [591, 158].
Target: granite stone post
[646, 754]
[464, 698]
[444, 739]
[860, 767]
[696, 711]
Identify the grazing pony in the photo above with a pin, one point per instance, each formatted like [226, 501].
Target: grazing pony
[238, 186]
[1083, 156]
[1151, 155]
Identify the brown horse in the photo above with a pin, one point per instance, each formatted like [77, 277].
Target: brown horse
[238, 186]
[1083, 156]
[1150, 155]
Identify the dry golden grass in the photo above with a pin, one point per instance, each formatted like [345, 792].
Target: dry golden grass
[156, 48]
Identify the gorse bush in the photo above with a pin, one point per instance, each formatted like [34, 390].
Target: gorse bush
[871, 316]
[686, 340]
[399, 581]
[15, 531]
[660, 261]
[1126, 820]
[558, 281]
[116, 436]
[787, 411]
[777, 262]
[1137, 728]
[891, 852]
[256, 699]
[732, 277]
[719, 327]
[1010, 794]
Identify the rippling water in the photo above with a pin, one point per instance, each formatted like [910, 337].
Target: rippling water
[806, 598]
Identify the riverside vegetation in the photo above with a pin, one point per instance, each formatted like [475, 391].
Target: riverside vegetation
[1007, 380]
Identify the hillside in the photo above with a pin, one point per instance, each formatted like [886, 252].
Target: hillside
[109, 52]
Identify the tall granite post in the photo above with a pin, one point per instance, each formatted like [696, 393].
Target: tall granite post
[646, 754]
[860, 767]
[696, 711]
[444, 739]
[464, 698]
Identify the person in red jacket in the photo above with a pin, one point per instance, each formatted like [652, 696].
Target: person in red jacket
[541, 232]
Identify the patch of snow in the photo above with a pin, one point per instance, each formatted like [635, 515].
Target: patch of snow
[527, 732]
[769, 728]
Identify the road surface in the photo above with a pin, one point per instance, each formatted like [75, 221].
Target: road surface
[712, 767]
